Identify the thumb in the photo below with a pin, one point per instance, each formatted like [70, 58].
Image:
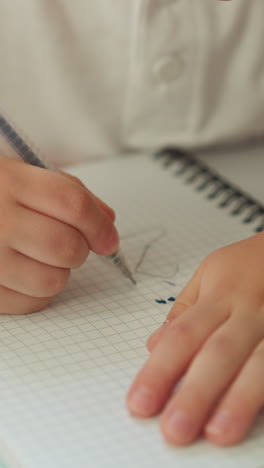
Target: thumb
[185, 299]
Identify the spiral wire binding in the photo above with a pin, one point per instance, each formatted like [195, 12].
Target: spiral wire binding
[214, 186]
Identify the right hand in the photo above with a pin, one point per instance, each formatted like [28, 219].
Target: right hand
[48, 224]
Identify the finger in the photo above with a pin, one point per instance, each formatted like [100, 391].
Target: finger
[108, 210]
[30, 277]
[170, 358]
[47, 240]
[185, 299]
[238, 410]
[211, 372]
[59, 197]
[14, 303]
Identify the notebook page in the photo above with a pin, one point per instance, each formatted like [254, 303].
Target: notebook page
[65, 371]
[244, 166]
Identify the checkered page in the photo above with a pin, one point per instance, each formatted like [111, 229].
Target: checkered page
[65, 371]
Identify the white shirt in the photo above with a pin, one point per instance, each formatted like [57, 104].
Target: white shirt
[91, 78]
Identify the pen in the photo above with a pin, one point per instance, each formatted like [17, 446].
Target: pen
[29, 157]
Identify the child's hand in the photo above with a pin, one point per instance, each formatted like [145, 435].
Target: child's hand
[215, 336]
[48, 224]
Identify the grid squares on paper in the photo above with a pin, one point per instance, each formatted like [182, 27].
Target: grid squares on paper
[65, 372]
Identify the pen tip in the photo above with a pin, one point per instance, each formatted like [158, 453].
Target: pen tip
[133, 280]
[119, 260]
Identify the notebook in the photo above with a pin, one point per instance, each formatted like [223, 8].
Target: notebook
[65, 371]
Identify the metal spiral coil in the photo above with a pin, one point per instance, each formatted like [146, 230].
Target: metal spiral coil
[214, 186]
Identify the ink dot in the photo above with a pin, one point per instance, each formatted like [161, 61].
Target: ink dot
[160, 301]
[172, 299]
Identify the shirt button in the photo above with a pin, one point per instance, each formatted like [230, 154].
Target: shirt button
[167, 69]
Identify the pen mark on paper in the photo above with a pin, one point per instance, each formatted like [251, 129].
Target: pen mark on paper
[163, 301]
[146, 249]
[170, 283]
[153, 254]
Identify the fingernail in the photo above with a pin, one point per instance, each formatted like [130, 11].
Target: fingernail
[179, 425]
[220, 423]
[109, 211]
[113, 239]
[166, 322]
[160, 328]
[142, 401]
[156, 334]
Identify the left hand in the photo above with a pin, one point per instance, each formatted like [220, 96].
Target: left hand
[214, 336]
